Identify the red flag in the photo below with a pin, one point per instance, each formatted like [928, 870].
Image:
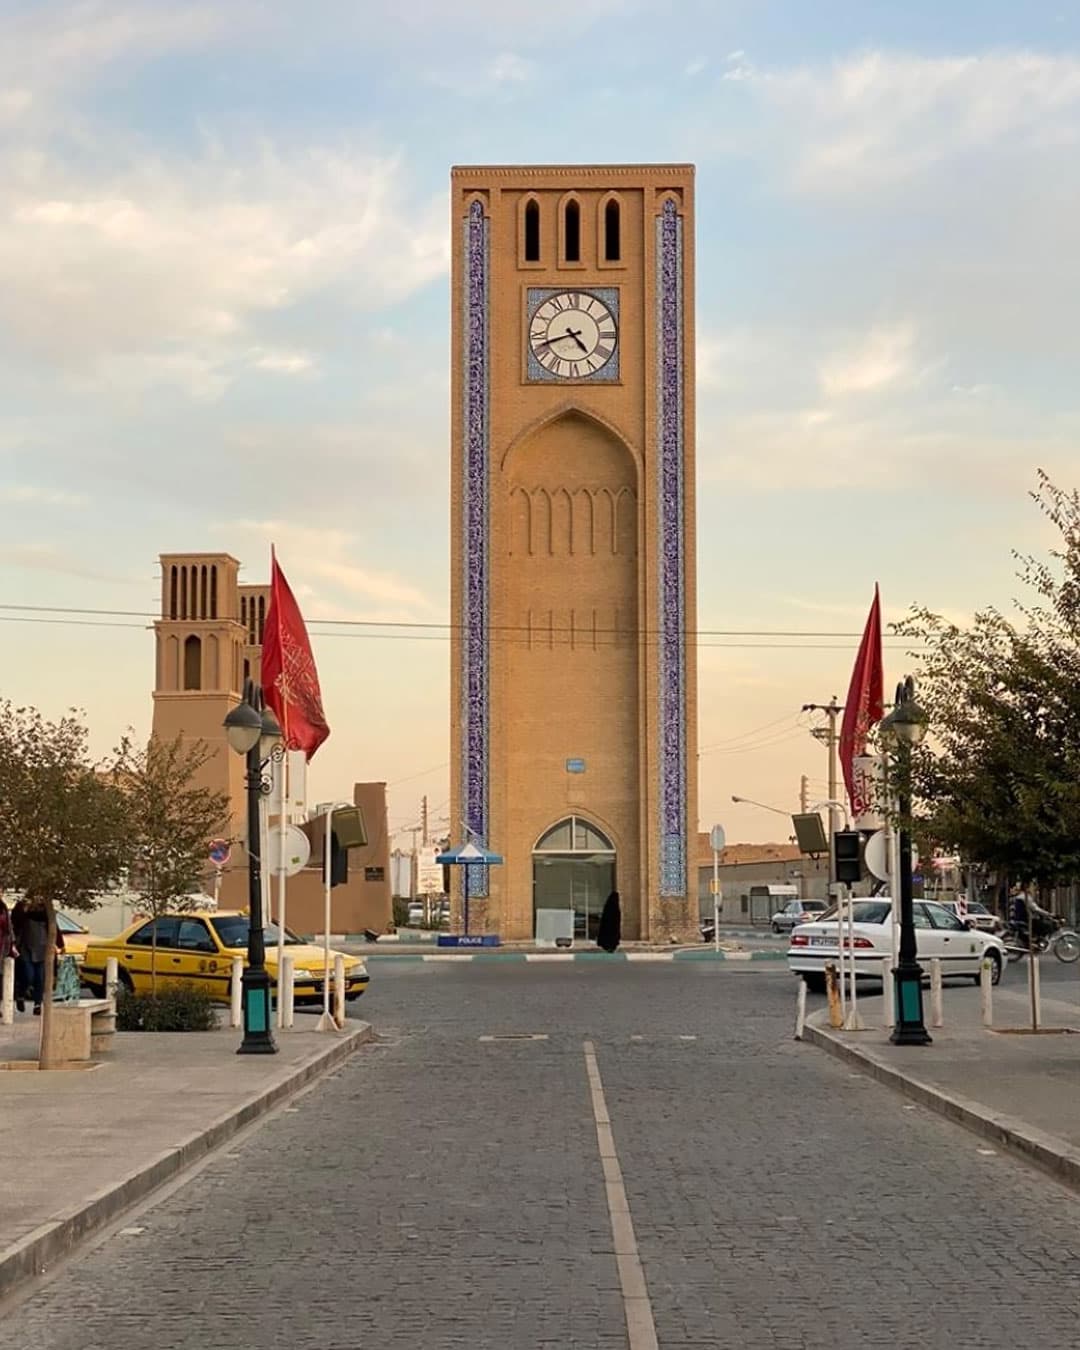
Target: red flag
[864, 705]
[289, 679]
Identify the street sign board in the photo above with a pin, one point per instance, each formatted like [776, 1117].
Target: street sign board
[575, 766]
[220, 852]
[717, 838]
[429, 873]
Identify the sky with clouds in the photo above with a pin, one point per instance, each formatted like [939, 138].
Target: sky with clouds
[224, 262]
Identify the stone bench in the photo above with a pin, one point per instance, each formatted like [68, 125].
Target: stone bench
[82, 1029]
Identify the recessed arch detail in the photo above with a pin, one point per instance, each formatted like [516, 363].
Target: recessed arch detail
[530, 231]
[609, 230]
[570, 408]
[571, 232]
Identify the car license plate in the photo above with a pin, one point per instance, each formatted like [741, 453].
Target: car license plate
[821, 942]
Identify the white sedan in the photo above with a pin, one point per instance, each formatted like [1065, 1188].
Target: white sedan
[938, 933]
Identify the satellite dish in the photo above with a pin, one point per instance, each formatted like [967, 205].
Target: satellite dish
[296, 852]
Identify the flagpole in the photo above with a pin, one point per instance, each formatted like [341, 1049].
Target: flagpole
[326, 1022]
[282, 878]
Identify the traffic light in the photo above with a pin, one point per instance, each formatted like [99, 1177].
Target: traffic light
[847, 852]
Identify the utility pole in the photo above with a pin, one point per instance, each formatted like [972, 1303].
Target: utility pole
[827, 734]
[804, 794]
[423, 821]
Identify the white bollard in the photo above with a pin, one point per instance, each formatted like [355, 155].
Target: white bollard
[937, 1010]
[7, 1008]
[112, 980]
[236, 1011]
[1034, 974]
[287, 989]
[986, 988]
[800, 1010]
[888, 995]
[339, 990]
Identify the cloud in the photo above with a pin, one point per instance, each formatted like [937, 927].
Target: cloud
[284, 363]
[22, 494]
[164, 270]
[879, 360]
[509, 68]
[325, 563]
[53, 48]
[694, 67]
[879, 118]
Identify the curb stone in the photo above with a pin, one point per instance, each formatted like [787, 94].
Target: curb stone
[54, 1239]
[1046, 1151]
[549, 957]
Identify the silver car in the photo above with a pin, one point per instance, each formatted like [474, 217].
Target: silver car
[796, 912]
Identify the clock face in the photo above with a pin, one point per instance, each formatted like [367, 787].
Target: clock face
[573, 334]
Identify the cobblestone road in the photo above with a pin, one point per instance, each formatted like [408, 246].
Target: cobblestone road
[443, 1191]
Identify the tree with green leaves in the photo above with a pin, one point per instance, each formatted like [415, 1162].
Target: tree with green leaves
[64, 823]
[998, 779]
[172, 819]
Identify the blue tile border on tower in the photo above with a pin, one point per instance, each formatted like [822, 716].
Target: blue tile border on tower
[671, 569]
[475, 507]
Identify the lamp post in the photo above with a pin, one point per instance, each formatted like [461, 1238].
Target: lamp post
[902, 730]
[252, 731]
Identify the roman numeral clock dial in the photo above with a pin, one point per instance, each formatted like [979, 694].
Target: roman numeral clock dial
[573, 335]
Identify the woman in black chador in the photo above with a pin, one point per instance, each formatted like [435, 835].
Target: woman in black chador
[609, 934]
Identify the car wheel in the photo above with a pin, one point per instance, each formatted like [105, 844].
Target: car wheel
[776, 929]
[123, 980]
[815, 982]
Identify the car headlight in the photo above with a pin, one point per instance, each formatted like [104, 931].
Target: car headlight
[303, 974]
[357, 973]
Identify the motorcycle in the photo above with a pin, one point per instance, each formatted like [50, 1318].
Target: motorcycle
[1051, 935]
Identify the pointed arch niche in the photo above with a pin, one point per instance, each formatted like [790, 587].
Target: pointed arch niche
[569, 657]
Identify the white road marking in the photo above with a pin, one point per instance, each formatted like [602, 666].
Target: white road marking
[549, 956]
[467, 957]
[650, 956]
[687, 1038]
[517, 1036]
[640, 1327]
[738, 956]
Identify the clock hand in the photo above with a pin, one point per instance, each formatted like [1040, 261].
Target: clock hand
[574, 333]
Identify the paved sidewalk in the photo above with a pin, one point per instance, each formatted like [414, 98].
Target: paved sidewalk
[82, 1145]
[1018, 1089]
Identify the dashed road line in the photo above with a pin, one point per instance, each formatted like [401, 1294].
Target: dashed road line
[640, 1327]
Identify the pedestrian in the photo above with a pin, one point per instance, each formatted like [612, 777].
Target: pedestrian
[18, 937]
[35, 948]
[609, 933]
[7, 944]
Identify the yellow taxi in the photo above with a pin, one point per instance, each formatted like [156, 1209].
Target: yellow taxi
[75, 937]
[198, 950]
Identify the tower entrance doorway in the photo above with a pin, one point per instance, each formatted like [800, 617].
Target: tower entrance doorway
[574, 868]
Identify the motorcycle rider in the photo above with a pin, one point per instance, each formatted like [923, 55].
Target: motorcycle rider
[1042, 922]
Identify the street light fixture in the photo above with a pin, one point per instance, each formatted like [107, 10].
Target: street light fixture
[749, 801]
[901, 731]
[252, 730]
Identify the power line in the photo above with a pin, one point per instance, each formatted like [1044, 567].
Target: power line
[583, 643]
[448, 628]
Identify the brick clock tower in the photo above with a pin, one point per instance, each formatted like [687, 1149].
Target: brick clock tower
[574, 715]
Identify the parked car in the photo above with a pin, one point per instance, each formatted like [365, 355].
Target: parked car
[76, 937]
[796, 912]
[984, 919]
[416, 912]
[198, 949]
[960, 947]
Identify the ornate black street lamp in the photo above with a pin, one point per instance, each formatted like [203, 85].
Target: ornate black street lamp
[902, 730]
[252, 731]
